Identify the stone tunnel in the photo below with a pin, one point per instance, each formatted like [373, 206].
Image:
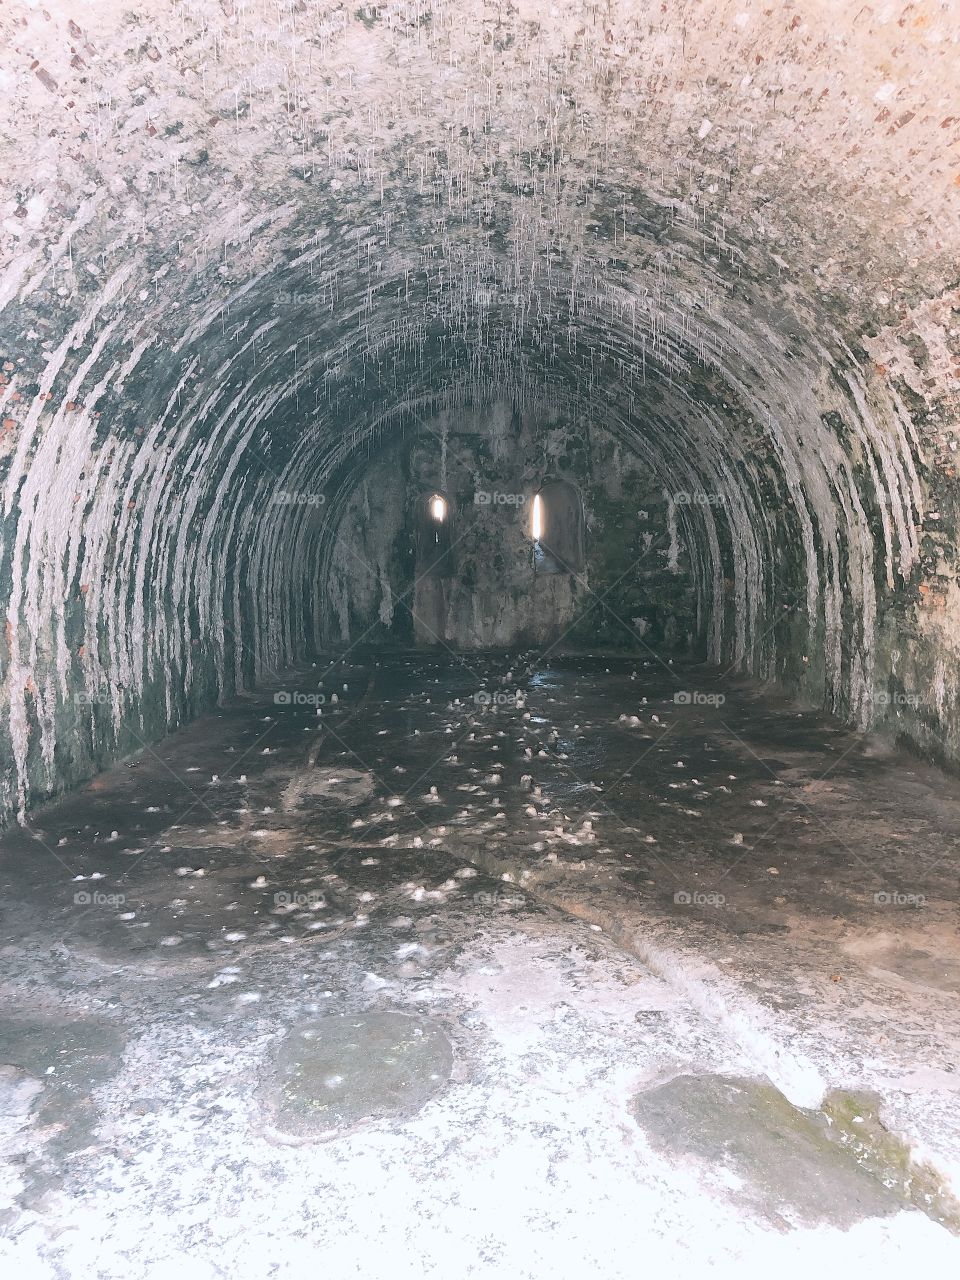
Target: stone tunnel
[480, 685]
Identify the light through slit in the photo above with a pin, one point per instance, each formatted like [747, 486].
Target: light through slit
[537, 528]
[438, 507]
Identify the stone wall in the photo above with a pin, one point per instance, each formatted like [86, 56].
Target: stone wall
[634, 589]
[248, 249]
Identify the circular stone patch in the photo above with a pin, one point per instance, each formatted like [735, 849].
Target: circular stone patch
[345, 1071]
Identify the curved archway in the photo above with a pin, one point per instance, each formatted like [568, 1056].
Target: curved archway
[237, 284]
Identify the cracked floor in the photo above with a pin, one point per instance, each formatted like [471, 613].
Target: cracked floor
[415, 966]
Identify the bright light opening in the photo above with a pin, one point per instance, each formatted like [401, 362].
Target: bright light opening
[537, 526]
[438, 508]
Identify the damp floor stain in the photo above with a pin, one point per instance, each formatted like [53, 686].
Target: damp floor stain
[339, 1073]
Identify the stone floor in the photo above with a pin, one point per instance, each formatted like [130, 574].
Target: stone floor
[487, 968]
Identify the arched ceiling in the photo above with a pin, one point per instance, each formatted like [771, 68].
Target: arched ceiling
[244, 242]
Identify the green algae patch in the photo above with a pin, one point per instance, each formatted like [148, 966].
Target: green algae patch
[779, 1162]
[854, 1124]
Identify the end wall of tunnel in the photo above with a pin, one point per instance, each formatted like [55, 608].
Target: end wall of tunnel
[624, 576]
[249, 252]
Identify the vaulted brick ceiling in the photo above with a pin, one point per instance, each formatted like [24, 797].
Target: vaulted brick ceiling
[244, 243]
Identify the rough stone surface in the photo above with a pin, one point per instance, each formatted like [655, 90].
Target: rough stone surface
[487, 588]
[170, 941]
[245, 245]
